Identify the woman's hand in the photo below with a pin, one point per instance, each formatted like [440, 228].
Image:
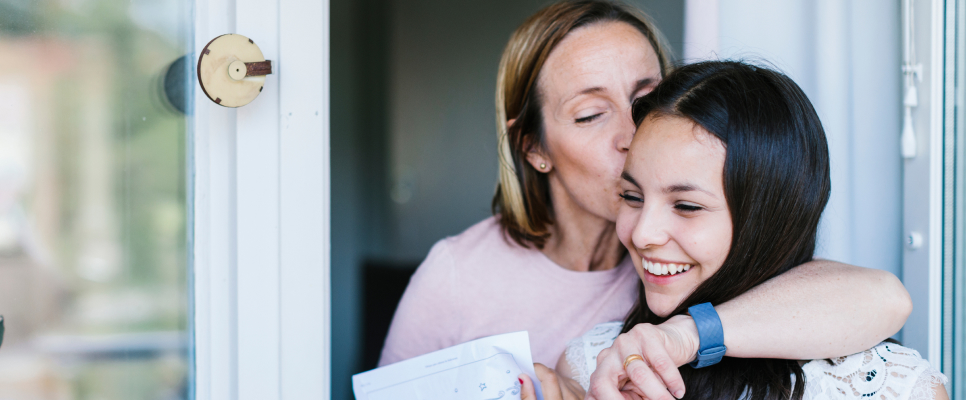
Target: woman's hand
[555, 386]
[663, 348]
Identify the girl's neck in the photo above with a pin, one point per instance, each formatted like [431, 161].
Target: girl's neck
[580, 241]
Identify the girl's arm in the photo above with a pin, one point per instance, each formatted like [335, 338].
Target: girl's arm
[821, 309]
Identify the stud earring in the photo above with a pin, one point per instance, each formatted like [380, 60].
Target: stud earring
[543, 166]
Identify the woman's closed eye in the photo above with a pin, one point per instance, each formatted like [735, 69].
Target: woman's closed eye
[589, 118]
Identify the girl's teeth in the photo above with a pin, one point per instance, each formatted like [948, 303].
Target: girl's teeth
[665, 269]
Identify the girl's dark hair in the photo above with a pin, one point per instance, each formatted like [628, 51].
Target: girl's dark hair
[776, 183]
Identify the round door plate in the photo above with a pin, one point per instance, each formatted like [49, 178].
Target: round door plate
[232, 69]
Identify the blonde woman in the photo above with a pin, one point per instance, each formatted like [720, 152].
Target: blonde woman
[549, 261]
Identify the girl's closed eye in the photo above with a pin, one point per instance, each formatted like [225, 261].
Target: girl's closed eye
[687, 207]
[631, 198]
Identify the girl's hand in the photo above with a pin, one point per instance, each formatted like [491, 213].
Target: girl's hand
[663, 348]
[555, 386]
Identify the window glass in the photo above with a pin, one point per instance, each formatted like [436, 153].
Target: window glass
[93, 210]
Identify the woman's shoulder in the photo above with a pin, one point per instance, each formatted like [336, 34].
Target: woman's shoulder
[485, 238]
[481, 244]
[888, 371]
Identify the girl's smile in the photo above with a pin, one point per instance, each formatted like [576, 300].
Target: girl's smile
[663, 272]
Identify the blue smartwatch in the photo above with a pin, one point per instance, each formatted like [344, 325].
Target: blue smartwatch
[711, 334]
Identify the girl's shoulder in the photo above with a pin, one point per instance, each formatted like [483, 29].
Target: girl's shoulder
[581, 352]
[888, 371]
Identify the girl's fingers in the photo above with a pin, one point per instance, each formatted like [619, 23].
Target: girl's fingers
[644, 378]
[605, 386]
[660, 362]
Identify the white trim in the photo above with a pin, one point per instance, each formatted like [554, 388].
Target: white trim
[213, 246]
[260, 212]
[257, 216]
[936, 134]
[304, 188]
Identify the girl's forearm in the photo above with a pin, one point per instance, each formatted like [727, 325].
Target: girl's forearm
[821, 309]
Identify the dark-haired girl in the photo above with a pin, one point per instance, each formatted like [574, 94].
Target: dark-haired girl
[723, 188]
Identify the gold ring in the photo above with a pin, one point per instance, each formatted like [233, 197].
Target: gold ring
[631, 358]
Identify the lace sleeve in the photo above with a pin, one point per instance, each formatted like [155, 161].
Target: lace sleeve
[925, 387]
[578, 364]
[885, 372]
[582, 352]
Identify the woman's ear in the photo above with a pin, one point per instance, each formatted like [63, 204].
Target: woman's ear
[539, 160]
[537, 157]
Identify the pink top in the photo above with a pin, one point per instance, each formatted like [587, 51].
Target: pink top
[478, 284]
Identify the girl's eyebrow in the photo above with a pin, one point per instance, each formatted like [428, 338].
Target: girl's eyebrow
[676, 188]
[627, 177]
[685, 187]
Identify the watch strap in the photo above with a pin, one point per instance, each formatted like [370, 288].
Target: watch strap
[711, 334]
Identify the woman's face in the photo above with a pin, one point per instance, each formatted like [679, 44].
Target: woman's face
[674, 218]
[587, 86]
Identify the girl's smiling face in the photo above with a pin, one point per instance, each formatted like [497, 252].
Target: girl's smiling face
[674, 218]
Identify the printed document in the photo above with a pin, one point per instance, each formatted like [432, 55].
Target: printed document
[483, 369]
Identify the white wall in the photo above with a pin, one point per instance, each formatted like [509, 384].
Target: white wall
[846, 56]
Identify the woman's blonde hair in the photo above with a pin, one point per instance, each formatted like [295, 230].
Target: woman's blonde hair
[522, 198]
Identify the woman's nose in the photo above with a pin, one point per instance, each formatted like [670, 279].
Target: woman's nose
[651, 229]
[625, 132]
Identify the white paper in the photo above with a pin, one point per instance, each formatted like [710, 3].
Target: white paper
[483, 369]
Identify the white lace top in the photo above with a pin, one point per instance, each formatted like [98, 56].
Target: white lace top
[885, 372]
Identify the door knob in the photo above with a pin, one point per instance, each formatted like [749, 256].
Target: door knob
[232, 69]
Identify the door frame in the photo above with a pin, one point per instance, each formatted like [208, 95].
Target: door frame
[259, 196]
[925, 176]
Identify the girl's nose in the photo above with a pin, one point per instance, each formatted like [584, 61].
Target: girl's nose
[651, 229]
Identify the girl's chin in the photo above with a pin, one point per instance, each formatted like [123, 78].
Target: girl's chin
[660, 308]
